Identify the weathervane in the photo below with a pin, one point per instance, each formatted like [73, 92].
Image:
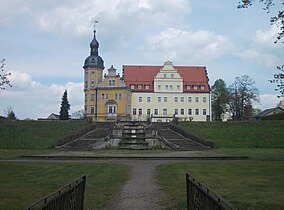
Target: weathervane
[94, 21]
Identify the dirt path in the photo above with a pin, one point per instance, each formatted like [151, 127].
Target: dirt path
[141, 191]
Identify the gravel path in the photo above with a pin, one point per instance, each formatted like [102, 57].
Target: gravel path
[141, 191]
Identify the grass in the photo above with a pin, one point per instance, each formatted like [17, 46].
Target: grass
[35, 134]
[258, 134]
[246, 184]
[24, 183]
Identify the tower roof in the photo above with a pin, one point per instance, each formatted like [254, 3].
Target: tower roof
[94, 60]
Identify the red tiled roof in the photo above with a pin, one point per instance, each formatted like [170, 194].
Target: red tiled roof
[144, 75]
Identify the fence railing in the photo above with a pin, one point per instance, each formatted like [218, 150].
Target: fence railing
[69, 197]
[201, 197]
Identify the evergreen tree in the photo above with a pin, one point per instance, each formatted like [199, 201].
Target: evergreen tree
[220, 99]
[65, 107]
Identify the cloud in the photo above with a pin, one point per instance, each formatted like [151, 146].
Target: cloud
[267, 101]
[32, 99]
[263, 50]
[182, 46]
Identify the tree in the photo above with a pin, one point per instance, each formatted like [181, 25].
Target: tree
[10, 113]
[277, 20]
[242, 94]
[65, 107]
[3, 76]
[78, 114]
[279, 81]
[220, 99]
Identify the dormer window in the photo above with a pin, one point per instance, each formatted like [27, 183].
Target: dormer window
[195, 87]
[188, 87]
[111, 83]
[139, 87]
[132, 87]
[147, 87]
[202, 87]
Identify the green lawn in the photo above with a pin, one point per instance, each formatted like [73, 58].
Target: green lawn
[24, 183]
[258, 134]
[254, 185]
[35, 134]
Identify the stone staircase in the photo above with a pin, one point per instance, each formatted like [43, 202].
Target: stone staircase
[180, 142]
[133, 136]
[89, 140]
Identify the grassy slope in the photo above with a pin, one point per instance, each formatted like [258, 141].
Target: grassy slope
[246, 184]
[24, 183]
[261, 134]
[35, 134]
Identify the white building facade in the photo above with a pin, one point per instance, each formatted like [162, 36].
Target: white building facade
[164, 92]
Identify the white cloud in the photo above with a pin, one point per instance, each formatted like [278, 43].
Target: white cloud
[32, 99]
[186, 46]
[267, 101]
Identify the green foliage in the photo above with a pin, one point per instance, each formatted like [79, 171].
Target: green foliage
[220, 99]
[65, 107]
[4, 81]
[245, 184]
[279, 81]
[23, 183]
[35, 134]
[258, 134]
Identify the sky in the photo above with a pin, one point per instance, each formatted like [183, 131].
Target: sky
[45, 43]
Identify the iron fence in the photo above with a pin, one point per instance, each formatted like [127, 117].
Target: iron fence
[202, 198]
[69, 197]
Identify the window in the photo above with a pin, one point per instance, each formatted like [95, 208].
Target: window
[165, 112]
[111, 83]
[182, 111]
[92, 110]
[159, 99]
[111, 109]
[134, 111]
[115, 96]
[204, 111]
[139, 87]
[182, 99]
[167, 87]
[188, 87]
[140, 112]
[156, 112]
[196, 111]
[171, 87]
[204, 99]
[92, 82]
[165, 99]
[103, 96]
[195, 87]
[86, 84]
[119, 96]
[159, 87]
[148, 112]
[93, 72]
[172, 75]
[148, 99]
[202, 87]
[189, 111]
[176, 99]
[106, 96]
[140, 99]
[189, 99]
[196, 99]
[132, 87]
[92, 97]
[165, 75]
[176, 112]
[178, 87]
[86, 97]
[147, 87]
